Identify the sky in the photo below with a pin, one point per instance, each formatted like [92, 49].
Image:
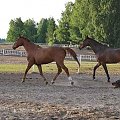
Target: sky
[33, 9]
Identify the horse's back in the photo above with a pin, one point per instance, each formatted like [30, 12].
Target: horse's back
[53, 50]
[56, 51]
[109, 55]
[50, 54]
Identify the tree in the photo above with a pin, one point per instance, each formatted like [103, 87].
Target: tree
[111, 21]
[50, 31]
[42, 30]
[62, 32]
[80, 17]
[16, 27]
[30, 30]
[99, 19]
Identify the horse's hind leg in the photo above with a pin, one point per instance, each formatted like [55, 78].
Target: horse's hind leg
[41, 73]
[59, 71]
[106, 71]
[67, 72]
[98, 64]
[27, 69]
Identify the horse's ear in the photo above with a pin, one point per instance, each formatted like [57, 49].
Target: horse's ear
[19, 35]
[87, 36]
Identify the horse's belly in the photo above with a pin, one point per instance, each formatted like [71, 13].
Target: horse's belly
[112, 59]
[43, 61]
[108, 59]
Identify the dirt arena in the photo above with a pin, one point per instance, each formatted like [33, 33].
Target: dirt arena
[87, 100]
[33, 100]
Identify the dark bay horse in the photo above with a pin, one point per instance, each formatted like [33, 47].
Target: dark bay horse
[104, 54]
[38, 56]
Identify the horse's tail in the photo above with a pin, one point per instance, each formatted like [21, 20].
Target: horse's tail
[74, 55]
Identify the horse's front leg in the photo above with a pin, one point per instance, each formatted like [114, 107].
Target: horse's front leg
[106, 71]
[30, 64]
[98, 64]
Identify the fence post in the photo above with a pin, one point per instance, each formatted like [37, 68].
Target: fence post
[3, 51]
[90, 58]
[21, 53]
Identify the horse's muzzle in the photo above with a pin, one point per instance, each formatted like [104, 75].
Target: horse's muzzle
[80, 47]
[13, 47]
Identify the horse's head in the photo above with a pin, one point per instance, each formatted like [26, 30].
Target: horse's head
[19, 42]
[85, 43]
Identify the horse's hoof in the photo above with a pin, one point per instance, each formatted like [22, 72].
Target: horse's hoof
[72, 83]
[78, 72]
[108, 80]
[46, 83]
[52, 82]
[22, 81]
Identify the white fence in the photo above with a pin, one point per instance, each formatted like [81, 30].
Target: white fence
[9, 52]
[87, 58]
[82, 57]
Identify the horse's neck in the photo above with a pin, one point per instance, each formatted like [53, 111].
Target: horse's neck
[29, 46]
[97, 47]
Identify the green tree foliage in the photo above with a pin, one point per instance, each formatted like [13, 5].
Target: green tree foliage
[111, 21]
[67, 31]
[50, 31]
[16, 27]
[99, 19]
[42, 30]
[82, 17]
[30, 30]
[63, 30]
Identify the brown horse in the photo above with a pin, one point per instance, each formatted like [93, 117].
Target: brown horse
[104, 54]
[38, 56]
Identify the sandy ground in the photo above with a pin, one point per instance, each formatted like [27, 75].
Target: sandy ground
[87, 100]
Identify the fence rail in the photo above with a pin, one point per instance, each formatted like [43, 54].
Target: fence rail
[9, 52]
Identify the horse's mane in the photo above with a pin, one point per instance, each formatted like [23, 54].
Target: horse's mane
[25, 38]
[29, 41]
[96, 42]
